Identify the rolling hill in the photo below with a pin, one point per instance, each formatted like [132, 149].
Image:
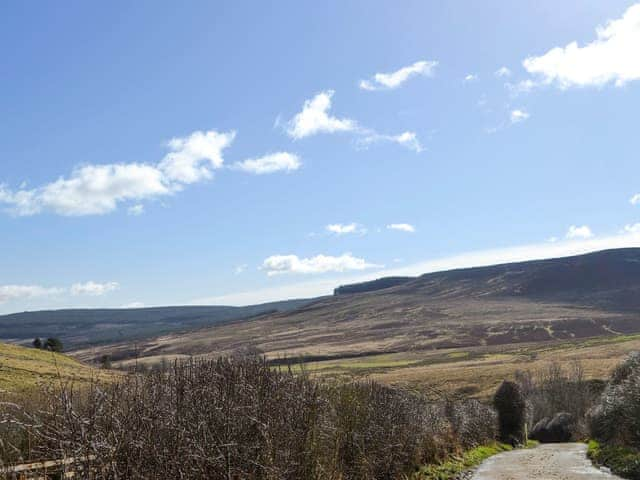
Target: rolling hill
[22, 368]
[485, 309]
[82, 327]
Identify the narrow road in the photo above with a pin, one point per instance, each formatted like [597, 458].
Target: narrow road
[558, 461]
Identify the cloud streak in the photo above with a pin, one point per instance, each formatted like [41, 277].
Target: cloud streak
[315, 118]
[402, 227]
[93, 289]
[392, 80]
[271, 163]
[281, 264]
[345, 228]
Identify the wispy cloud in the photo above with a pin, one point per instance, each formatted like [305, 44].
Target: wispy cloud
[93, 289]
[388, 81]
[99, 189]
[271, 163]
[635, 200]
[14, 292]
[611, 57]
[406, 139]
[471, 77]
[315, 118]
[517, 116]
[345, 228]
[136, 210]
[579, 232]
[502, 72]
[281, 264]
[402, 227]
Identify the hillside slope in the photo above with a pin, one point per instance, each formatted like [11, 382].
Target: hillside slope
[22, 368]
[549, 300]
[82, 327]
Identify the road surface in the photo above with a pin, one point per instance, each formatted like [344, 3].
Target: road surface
[558, 461]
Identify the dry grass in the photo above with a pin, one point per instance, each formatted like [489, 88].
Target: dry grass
[23, 368]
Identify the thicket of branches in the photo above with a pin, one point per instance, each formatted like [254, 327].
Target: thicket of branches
[557, 388]
[240, 418]
[616, 417]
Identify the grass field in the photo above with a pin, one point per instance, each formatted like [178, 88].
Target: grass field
[477, 371]
[24, 368]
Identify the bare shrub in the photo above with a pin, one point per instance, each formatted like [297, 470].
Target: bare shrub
[616, 417]
[556, 389]
[241, 418]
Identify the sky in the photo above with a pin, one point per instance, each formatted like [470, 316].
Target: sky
[168, 153]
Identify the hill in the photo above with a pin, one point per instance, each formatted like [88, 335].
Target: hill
[22, 368]
[462, 312]
[83, 327]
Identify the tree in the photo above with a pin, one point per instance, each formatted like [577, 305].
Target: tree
[53, 344]
[105, 362]
[37, 343]
[511, 407]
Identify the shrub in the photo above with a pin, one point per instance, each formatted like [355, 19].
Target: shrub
[511, 408]
[242, 418]
[616, 417]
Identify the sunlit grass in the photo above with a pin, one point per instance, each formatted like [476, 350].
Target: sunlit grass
[22, 368]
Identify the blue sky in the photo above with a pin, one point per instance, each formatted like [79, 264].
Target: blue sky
[156, 153]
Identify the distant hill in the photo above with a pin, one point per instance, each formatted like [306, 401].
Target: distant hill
[83, 327]
[610, 278]
[547, 300]
[372, 285]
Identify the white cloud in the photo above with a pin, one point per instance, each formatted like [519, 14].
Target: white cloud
[471, 77]
[314, 118]
[241, 269]
[93, 289]
[98, 189]
[406, 139]
[136, 210]
[274, 162]
[518, 116]
[480, 258]
[524, 86]
[14, 292]
[635, 200]
[502, 72]
[393, 80]
[579, 232]
[280, 264]
[192, 158]
[612, 57]
[343, 229]
[632, 228]
[403, 227]
[90, 190]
